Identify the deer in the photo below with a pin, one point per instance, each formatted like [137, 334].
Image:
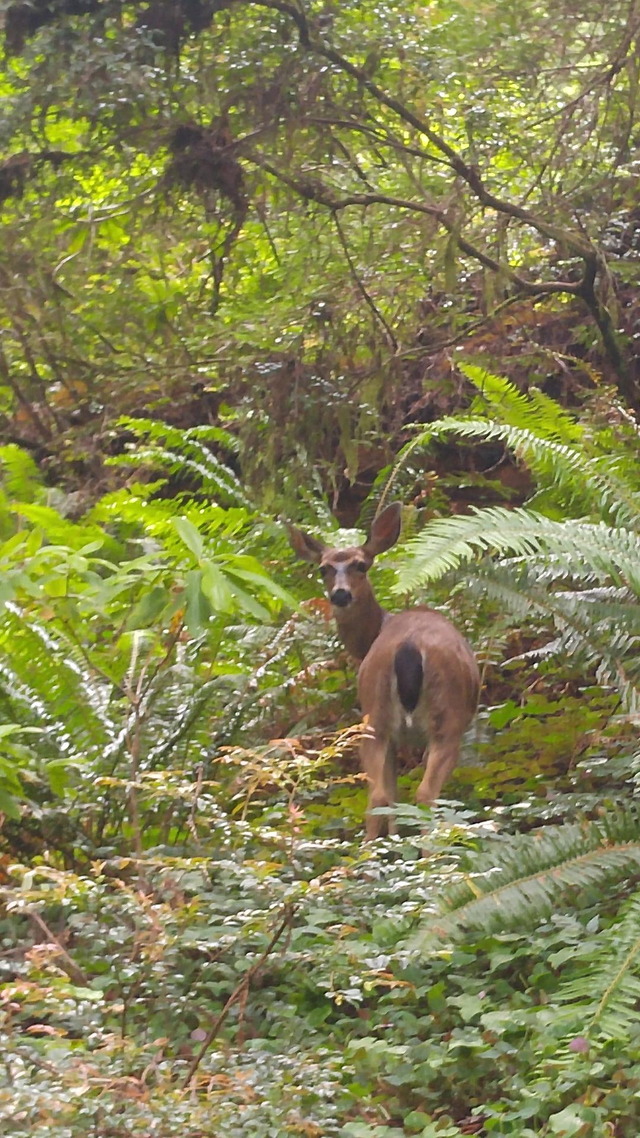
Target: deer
[418, 679]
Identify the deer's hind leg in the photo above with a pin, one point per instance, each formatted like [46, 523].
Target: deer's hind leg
[377, 756]
[440, 758]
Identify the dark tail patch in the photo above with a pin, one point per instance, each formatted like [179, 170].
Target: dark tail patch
[409, 674]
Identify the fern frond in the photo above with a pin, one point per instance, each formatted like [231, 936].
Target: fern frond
[506, 583]
[532, 411]
[45, 680]
[610, 552]
[605, 999]
[205, 469]
[21, 478]
[576, 480]
[596, 627]
[575, 468]
[520, 882]
[159, 432]
[183, 452]
[602, 472]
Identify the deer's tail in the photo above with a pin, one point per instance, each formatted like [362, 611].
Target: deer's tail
[409, 671]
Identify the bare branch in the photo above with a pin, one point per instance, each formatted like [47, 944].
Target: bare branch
[67, 963]
[314, 190]
[240, 990]
[393, 343]
[469, 174]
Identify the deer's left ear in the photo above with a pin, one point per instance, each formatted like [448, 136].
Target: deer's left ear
[385, 530]
[308, 548]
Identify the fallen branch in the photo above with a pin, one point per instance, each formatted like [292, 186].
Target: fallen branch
[240, 990]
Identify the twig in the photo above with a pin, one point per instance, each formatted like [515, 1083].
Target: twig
[468, 173]
[325, 195]
[474, 326]
[393, 343]
[239, 991]
[67, 964]
[191, 820]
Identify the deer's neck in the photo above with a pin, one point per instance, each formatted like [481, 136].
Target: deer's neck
[359, 625]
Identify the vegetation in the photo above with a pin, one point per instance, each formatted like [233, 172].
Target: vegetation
[292, 220]
[263, 260]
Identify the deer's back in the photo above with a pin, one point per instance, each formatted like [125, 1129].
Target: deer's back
[450, 677]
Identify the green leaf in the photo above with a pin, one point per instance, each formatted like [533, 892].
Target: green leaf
[216, 588]
[567, 1122]
[190, 535]
[57, 776]
[8, 805]
[7, 729]
[197, 607]
[247, 603]
[264, 582]
[149, 607]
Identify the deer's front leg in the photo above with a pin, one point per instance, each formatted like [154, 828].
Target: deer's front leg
[378, 763]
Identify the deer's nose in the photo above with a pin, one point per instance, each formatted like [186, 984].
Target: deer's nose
[341, 598]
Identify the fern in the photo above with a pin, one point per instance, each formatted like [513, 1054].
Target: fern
[575, 462]
[185, 453]
[45, 680]
[21, 478]
[608, 552]
[604, 1001]
[578, 470]
[572, 479]
[596, 626]
[583, 534]
[157, 431]
[533, 411]
[520, 882]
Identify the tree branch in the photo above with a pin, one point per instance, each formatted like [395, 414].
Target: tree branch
[314, 190]
[67, 963]
[393, 343]
[577, 243]
[469, 174]
[288, 911]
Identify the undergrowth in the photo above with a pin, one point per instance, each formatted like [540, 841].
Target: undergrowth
[195, 941]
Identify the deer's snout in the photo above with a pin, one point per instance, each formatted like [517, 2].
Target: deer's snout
[341, 597]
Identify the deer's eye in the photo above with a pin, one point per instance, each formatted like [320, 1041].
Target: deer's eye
[325, 570]
[361, 566]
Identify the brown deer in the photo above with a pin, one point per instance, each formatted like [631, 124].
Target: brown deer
[418, 679]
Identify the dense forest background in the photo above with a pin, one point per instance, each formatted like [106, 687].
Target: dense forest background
[269, 261]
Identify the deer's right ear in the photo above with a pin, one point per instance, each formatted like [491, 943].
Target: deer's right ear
[307, 548]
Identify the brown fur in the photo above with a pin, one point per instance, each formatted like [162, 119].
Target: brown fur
[449, 691]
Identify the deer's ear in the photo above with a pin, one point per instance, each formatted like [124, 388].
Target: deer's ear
[308, 548]
[385, 530]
